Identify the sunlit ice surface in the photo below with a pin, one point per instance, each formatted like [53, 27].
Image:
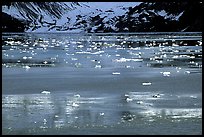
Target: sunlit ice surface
[122, 83]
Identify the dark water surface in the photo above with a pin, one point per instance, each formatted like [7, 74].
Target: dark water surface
[130, 83]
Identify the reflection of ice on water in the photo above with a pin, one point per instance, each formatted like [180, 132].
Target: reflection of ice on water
[47, 111]
[173, 113]
[67, 110]
[56, 112]
[147, 107]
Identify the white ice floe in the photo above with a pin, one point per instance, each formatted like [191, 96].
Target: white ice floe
[187, 72]
[25, 57]
[98, 66]
[193, 97]
[166, 74]
[26, 67]
[101, 114]
[45, 92]
[129, 99]
[116, 73]
[146, 83]
[77, 95]
[140, 102]
[127, 60]
[75, 104]
[156, 96]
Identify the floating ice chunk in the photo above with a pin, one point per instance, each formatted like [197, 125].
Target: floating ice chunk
[80, 46]
[56, 116]
[127, 60]
[193, 97]
[121, 60]
[166, 73]
[26, 67]
[74, 104]
[74, 59]
[45, 92]
[126, 95]
[44, 121]
[192, 57]
[45, 62]
[129, 99]
[188, 72]
[77, 65]
[98, 66]
[146, 83]
[156, 96]
[101, 114]
[93, 60]
[116, 73]
[25, 57]
[177, 69]
[77, 95]
[98, 52]
[140, 102]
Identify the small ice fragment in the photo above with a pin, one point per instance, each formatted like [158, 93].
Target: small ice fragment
[126, 95]
[25, 57]
[74, 104]
[44, 121]
[26, 67]
[98, 66]
[193, 97]
[74, 59]
[139, 102]
[116, 73]
[188, 72]
[166, 73]
[156, 96]
[101, 114]
[45, 62]
[146, 83]
[77, 95]
[45, 92]
[77, 65]
[129, 99]
[56, 116]
[80, 46]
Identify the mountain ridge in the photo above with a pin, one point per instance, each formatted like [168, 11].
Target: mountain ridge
[95, 17]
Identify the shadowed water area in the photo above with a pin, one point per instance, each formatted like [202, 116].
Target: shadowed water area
[118, 83]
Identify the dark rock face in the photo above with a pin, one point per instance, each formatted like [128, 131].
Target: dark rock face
[192, 17]
[10, 24]
[145, 17]
[149, 19]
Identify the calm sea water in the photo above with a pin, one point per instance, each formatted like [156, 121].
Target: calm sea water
[131, 83]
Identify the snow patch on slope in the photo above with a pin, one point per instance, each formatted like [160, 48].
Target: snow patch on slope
[73, 19]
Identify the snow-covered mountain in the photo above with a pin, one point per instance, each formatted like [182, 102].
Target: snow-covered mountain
[103, 16]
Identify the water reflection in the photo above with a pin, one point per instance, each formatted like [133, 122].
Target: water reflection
[68, 110]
